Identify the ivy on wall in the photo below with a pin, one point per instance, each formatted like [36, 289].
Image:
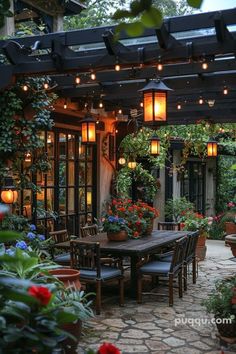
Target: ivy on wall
[22, 116]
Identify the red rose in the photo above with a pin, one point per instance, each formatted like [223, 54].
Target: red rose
[41, 293]
[108, 348]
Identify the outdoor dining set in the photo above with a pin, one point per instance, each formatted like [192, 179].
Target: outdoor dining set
[167, 253]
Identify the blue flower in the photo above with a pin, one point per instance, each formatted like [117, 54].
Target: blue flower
[10, 252]
[121, 221]
[111, 219]
[32, 227]
[22, 245]
[41, 237]
[31, 236]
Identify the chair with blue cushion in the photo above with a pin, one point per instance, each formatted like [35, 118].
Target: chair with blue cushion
[58, 237]
[85, 256]
[169, 270]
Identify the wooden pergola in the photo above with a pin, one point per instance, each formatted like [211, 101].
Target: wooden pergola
[182, 44]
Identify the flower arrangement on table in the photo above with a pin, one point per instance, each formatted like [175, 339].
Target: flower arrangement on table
[136, 218]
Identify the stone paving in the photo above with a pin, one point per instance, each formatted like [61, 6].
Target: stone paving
[155, 328]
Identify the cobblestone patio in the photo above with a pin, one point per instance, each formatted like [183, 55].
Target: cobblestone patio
[151, 327]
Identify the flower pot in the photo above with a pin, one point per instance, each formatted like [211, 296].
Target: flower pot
[230, 227]
[68, 276]
[69, 345]
[117, 236]
[231, 241]
[201, 246]
[149, 228]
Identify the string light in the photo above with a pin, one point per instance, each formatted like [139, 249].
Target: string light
[25, 88]
[100, 104]
[97, 121]
[45, 85]
[116, 131]
[93, 76]
[204, 65]
[77, 80]
[225, 91]
[120, 111]
[141, 104]
[200, 100]
[179, 106]
[159, 65]
[117, 67]
[65, 105]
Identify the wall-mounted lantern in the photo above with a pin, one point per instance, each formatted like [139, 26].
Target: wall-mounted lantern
[212, 148]
[132, 163]
[9, 193]
[88, 130]
[154, 102]
[155, 145]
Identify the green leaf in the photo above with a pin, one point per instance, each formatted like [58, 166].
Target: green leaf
[152, 18]
[134, 29]
[6, 236]
[66, 317]
[121, 14]
[195, 3]
[136, 8]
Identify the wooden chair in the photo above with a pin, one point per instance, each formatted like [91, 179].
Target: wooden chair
[58, 237]
[174, 226]
[88, 230]
[169, 270]
[85, 256]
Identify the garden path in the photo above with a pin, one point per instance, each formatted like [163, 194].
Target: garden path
[151, 327]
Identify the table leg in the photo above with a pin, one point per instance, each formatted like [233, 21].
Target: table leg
[133, 275]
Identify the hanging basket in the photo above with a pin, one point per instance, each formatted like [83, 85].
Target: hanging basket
[117, 236]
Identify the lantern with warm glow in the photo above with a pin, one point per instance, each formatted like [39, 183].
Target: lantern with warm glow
[122, 161]
[8, 193]
[88, 130]
[132, 164]
[155, 145]
[212, 148]
[154, 102]
[89, 198]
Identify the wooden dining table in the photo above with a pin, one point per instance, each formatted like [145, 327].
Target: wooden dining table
[136, 249]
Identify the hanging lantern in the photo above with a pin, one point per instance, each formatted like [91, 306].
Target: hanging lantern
[122, 161]
[155, 145]
[8, 193]
[154, 102]
[88, 130]
[132, 163]
[212, 148]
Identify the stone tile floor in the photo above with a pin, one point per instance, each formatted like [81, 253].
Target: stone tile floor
[155, 328]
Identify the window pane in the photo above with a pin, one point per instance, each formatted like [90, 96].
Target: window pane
[89, 199]
[82, 173]
[71, 146]
[71, 173]
[50, 144]
[50, 199]
[81, 199]
[62, 173]
[89, 173]
[62, 200]
[89, 152]
[62, 146]
[71, 200]
[50, 174]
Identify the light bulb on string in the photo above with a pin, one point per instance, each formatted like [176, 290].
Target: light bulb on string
[25, 87]
[93, 76]
[120, 111]
[225, 91]
[141, 104]
[117, 67]
[179, 106]
[45, 85]
[204, 65]
[77, 80]
[200, 101]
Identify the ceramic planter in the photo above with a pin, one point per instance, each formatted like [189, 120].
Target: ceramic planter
[201, 246]
[117, 236]
[230, 227]
[231, 241]
[70, 277]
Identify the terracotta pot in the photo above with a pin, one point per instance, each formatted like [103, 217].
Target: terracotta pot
[69, 345]
[201, 246]
[70, 277]
[230, 228]
[117, 236]
[231, 241]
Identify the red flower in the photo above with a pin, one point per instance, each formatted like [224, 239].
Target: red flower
[41, 293]
[108, 348]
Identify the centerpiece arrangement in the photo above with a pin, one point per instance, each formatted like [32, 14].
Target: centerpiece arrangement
[136, 219]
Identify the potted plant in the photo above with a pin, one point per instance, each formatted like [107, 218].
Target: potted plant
[175, 208]
[229, 219]
[116, 228]
[192, 221]
[221, 303]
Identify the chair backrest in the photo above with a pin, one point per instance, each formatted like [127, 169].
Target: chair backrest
[179, 253]
[88, 230]
[174, 226]
[85, 255]
[191, 246]
[59, 236]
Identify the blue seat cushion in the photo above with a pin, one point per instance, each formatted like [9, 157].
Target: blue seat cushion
[166, 258]
[156, 267]
[62, 258]
[106, 273]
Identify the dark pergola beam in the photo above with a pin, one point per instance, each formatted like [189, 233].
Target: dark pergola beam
[222, 32]
[165, 39]
[113, 46]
